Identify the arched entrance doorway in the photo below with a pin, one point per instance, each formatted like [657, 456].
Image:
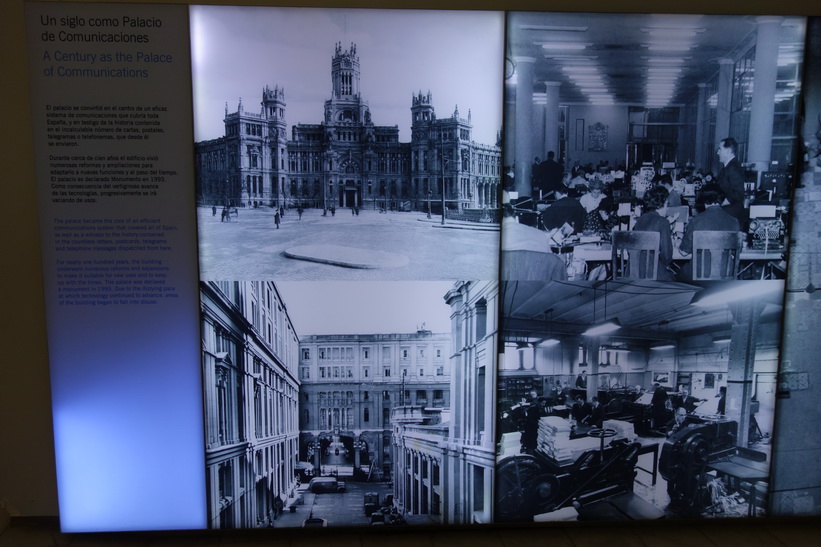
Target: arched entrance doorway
[337, 455]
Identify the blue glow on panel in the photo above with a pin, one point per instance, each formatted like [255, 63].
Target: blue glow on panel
[128, 419]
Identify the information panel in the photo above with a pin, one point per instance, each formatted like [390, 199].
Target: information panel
[112, 110]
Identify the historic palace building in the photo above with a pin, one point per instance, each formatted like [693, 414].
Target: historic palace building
[249, 364]
[347, 161]
[444, 460]
[349, 385]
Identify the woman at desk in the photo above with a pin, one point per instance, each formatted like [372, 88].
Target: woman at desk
[591, 201]
[653, 220]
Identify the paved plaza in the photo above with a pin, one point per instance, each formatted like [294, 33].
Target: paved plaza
[389, 246]
[341, 509]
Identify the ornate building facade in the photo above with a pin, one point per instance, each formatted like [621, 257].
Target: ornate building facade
[249, 364]
[349, 386]
[347, 160]
[445, 460]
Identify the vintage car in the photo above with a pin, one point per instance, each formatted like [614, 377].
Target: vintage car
[326, 485]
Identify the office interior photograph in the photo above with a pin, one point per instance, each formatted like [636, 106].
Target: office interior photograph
[607, 113]
[29, 512]
[636, 399]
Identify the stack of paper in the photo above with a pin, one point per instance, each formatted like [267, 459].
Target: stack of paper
[511, 444]
[554, 441]
[624, 430]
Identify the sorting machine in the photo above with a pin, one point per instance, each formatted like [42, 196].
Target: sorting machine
[687, 453]
[531, 484]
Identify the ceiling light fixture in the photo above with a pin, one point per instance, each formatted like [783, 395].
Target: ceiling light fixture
[737, 292]
[563, 45]
[663, 346]
[603, 328]
[553, 28]
[669, 47]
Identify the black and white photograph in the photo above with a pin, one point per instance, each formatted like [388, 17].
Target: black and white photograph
[635, 399]
[349, 403]
[671, 139]
[796, 488]
[347, 144]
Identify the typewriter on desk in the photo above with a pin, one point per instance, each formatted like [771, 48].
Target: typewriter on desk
[767, 229]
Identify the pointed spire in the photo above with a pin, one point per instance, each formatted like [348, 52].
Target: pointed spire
[239, 106]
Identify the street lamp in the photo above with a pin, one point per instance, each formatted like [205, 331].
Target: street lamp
[314, 450]
[444, 168]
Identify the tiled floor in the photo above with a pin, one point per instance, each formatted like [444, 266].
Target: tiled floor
[726, 533]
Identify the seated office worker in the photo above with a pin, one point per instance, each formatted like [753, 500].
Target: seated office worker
[713, 219]
[673, 197]
[564, 210]
[545, 266]
[653, 219]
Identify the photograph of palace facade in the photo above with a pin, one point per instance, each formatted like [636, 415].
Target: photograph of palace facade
[347, 160]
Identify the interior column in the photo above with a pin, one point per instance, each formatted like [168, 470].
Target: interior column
[724, 101]
[523, 149]
[740, 366]
[762, 107]
[551, 120]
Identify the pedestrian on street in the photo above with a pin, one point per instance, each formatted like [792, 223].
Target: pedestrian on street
[299, 211]
[281, 211]
[213, 210]
[276, 219]
[333, 211]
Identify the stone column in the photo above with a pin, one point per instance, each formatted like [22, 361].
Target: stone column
[725, 90]
[570, 355]
[741, 365]
[509, 144]
[523, 148]
[592, 344]
[762, 107]
[551, 120]
[537, 129]
[702, 152]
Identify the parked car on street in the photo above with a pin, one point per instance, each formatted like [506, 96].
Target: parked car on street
[326, 485]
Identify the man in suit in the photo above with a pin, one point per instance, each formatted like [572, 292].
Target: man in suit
[596, 415]
[686, 401]
[564, 210]
[677, 423]
[551, 173]
[731, 180]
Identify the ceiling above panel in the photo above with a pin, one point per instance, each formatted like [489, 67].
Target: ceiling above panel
[641, 310]
[649, 60]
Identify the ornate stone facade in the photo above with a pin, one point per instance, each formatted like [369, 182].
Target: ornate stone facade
[349, 386]
[445, 460]
[347, 160]
[249, 378]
